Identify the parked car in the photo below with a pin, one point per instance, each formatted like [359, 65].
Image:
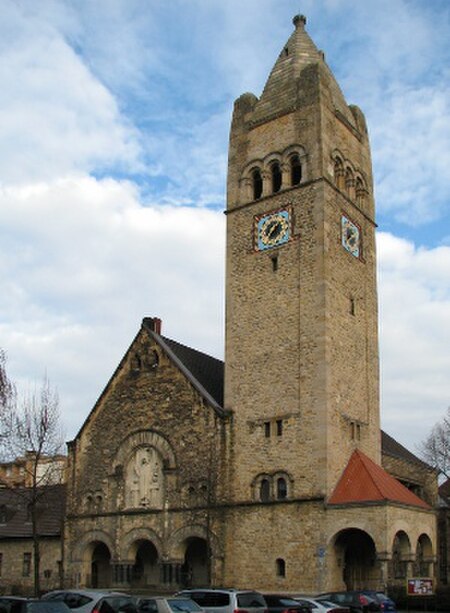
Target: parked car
[322, 606]
[173, 604]
[217, 600]
[386, 603]
[15, 604]
[355, 600]
[277, 603]
[91, 601]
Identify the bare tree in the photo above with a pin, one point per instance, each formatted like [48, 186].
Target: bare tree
[435, 449]
[36, 437]
[7, 401]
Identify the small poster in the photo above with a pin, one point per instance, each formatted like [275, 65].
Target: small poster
[420, 586]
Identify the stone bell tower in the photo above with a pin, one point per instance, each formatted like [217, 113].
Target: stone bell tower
[301, 304]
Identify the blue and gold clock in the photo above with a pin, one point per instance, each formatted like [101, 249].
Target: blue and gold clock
[350, 236]
[272, 229]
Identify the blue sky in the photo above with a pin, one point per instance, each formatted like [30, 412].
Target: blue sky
[114, 126]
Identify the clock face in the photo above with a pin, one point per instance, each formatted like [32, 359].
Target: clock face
[350, 236]
[272, 230]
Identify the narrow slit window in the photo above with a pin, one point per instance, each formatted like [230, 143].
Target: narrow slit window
[296, 170]
[279, 427]
[264, 490]
[281, 488]
[275, 263]
[257, 184]
[276, 177]
[267, 429]
[281, 567]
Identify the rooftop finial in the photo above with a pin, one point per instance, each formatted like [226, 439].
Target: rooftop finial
[299, 21]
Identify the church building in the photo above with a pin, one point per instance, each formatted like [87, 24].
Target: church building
[268, 471]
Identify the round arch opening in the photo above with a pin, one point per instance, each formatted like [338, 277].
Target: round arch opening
[145, 570]
[100, 565]
[195, 569]
[356, 559]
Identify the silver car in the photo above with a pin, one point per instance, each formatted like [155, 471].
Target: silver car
[90, 601]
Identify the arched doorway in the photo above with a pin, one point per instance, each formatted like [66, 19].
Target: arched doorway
[356, 554]
[145, 571]
[100, 565]
[401, 552]
[195, 570]
[424, 556]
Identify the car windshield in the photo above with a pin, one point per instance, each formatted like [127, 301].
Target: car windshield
[183, 604]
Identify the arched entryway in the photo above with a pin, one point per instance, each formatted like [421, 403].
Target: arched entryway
[424, 556]
[100, 565]
[195, 570]
[356, 556]
[145, 571]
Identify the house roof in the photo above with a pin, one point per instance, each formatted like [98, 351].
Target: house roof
[365, 481]
[393, 448]
[204, 372]
[14, 504]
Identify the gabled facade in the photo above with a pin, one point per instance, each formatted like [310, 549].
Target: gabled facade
[188, 474]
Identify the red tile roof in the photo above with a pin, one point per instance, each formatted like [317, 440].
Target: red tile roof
[365, 481]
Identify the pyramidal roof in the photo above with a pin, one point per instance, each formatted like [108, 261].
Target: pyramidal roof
[280, 93]
[364, 481]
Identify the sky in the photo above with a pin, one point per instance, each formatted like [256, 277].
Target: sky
[114, 122]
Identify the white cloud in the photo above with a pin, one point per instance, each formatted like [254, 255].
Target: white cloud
[414, 298]
[88, 263]
[55, 116]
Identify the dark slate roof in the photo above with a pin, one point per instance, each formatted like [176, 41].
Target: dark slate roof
[204, 372]
[207, 370]
[391, 447]
[14, 504]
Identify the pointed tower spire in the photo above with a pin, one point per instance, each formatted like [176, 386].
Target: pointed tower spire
[296, 54]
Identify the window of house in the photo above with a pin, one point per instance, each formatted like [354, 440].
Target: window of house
[276, 177]
[26, 565]
[296, 170]
[280, 567]
[1, 564]
[267, 429]
[279, 423]
[264, 490]
[281, 488]
[257, 184]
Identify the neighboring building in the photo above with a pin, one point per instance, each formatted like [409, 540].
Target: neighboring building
[16, 541]
[266, 471]
[444, 532]
[50, 470]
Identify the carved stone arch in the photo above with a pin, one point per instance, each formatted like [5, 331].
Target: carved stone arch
[145, 438]
[176, 544]
[272, 157]
[295, 167]
[139, 534]
[338, 169]
[282, 474]
[88, 538]
[262, 487]
[251, 187]
[364, 525]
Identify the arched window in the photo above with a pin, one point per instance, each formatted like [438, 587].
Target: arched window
[264, 490]
[257, 184]
[280, 567]
[296, 170]
[281, 488]
[276, 177]
[359, 189]
[349, 183]
[339, 173]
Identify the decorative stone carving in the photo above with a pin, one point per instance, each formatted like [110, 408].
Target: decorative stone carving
[144, 479]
